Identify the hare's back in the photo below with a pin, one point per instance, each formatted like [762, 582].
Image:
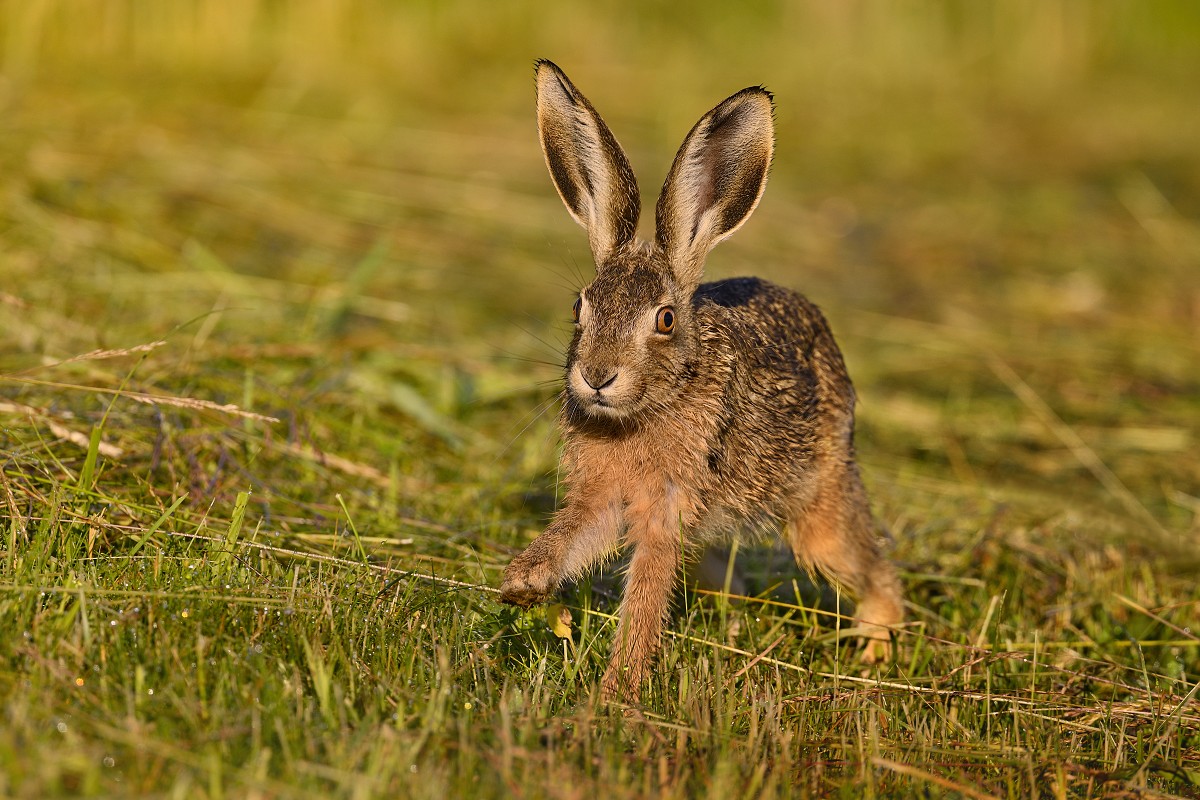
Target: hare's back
[786, 396]
[772, 333]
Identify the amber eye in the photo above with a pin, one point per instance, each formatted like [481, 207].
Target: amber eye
[666, 320]
[575, 308]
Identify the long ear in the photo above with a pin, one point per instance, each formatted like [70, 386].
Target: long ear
[589, 168]
[717, 178]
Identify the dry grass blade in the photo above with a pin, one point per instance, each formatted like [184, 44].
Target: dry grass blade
[945, 783]
[358, 470]
[61, 431]
[101, 355]
[1138, 607]
[344, 562]
[152, 399]
[763, 654]
[1086, 455]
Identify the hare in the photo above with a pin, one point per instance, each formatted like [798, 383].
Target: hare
[691, 409]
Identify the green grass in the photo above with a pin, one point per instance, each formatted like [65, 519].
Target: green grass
[282, 291]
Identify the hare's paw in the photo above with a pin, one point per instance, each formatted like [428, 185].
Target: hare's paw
[619, 685]
[526, 584]
[880, 609]
[877, 646]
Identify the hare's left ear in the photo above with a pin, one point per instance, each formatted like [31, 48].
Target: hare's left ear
[717, 178]
[589, 168]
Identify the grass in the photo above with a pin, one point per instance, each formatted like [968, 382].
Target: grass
[282, 291]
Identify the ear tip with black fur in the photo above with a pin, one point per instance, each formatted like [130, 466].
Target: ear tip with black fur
[549, 76]
[544, 63]
[760, 91]
[755, 99]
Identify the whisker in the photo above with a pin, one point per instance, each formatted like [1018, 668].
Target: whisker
[548, 345]
[539, 411]
[528, 360]
[571, 283]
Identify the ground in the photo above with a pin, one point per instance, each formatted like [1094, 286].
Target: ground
[283, 294]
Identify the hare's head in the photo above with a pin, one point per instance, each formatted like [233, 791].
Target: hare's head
[635, 341]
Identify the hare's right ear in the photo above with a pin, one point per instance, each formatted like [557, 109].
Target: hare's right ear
[589, 168]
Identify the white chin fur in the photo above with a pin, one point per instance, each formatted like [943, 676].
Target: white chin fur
[594, 406]
[603, 411]
[603, 407]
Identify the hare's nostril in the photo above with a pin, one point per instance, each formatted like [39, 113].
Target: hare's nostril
[599, 384]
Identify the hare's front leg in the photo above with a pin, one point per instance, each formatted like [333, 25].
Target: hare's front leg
[655, 529]
[580, 534]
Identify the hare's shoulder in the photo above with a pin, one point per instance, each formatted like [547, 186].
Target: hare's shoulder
[755, 311]
[741, 292]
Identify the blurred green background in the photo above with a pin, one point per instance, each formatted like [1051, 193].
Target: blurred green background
[955, 182]
[337, 214]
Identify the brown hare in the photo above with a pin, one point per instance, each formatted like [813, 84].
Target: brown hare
[691, 409]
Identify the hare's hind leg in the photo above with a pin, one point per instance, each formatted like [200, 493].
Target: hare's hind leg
[832, 532]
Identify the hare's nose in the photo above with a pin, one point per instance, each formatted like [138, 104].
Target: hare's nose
[599, 384]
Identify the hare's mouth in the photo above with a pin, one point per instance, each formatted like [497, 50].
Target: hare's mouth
[604, 405]
[598, 405]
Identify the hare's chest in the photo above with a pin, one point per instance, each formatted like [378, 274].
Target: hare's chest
[648, 468]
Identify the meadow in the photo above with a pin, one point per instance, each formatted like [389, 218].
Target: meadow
[284, 291]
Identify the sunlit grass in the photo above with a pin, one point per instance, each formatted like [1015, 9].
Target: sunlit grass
[282, 293]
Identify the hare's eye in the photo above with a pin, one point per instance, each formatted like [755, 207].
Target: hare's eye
[575, 308]
[666, 320]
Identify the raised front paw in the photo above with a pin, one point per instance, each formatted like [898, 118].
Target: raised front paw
[526, 584]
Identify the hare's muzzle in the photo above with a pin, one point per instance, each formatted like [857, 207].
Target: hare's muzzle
[598, 384]
[603, 391]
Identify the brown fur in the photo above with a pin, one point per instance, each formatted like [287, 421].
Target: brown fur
[741, 417]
